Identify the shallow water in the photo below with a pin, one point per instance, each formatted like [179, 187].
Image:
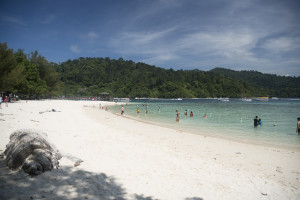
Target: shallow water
[233, 119]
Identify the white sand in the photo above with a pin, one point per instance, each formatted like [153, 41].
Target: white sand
[127, 159]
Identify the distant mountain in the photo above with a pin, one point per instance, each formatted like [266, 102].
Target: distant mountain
[92, 76]
[274, 85]
[32, 76]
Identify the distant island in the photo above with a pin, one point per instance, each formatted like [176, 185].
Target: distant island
[32, 76]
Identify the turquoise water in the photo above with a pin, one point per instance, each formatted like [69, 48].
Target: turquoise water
[232, 119]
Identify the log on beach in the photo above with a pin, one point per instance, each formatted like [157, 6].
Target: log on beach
[31, 151]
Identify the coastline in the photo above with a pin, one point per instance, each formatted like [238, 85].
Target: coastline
[210, 133]
[144, 160]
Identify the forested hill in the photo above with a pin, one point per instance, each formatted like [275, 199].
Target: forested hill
[280, 86]
[91, 76]
[32, 76]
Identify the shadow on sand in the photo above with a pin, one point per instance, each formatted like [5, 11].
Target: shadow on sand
[63, 183]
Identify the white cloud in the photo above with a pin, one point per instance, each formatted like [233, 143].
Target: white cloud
[91, 36]
[231, 34]
[143, 38]
[75, 49]
[282, 44]
[12, 20]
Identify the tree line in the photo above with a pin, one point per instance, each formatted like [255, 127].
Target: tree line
[274, 85]
[32, 76]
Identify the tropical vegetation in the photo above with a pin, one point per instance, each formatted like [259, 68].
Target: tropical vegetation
[32, 76]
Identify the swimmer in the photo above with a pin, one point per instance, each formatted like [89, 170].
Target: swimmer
[298, 126]
[205, 116]
[259, 122]
[177, 116]
[191, 114]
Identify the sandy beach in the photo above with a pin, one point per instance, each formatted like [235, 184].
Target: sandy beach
[128, 159]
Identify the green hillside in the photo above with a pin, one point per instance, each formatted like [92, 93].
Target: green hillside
[279, 86]
[91, 76]
[32, 76]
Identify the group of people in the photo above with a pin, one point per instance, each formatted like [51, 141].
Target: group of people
[185, 113]
[137, 109]
[257, 122]
[191, 113]
[5, 101]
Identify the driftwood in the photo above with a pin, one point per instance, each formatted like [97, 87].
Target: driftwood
[30, 150]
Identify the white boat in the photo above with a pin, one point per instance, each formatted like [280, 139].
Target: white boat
[121, 99]
[178, 99]
[274, 98]
[246, 99]
[223, 99]
[262, 98]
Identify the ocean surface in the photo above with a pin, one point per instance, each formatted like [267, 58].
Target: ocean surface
[231, 119]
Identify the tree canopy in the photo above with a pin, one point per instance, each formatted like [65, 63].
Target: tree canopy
[32, 76]
[29, 76]
[274, 85]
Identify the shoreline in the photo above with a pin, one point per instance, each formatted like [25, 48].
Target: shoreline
[129, 159]
[211, 133]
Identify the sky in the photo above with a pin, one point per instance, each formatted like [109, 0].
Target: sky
[179, 34]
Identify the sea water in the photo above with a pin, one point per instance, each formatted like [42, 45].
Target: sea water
[232, 119]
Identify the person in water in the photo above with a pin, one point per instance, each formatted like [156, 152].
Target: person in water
[298, 126]
[205, 116]
[256, 121]
[259, 122]
[177, 116]
[185, 112]
[191, 114]
[122, 110]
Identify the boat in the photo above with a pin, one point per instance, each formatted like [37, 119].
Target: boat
[121, 99]
[178, 99]
[275, 98]
[223, 99]
[246, 99]
[262, 98]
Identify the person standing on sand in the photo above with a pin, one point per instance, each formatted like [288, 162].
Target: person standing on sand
[6, 101]
[0, 102]
[298, 126]
[177, 116]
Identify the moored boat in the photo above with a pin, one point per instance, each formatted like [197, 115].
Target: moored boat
[262, 98]
[246, 99]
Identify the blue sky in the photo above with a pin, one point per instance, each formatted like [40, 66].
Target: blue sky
[179, 34]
